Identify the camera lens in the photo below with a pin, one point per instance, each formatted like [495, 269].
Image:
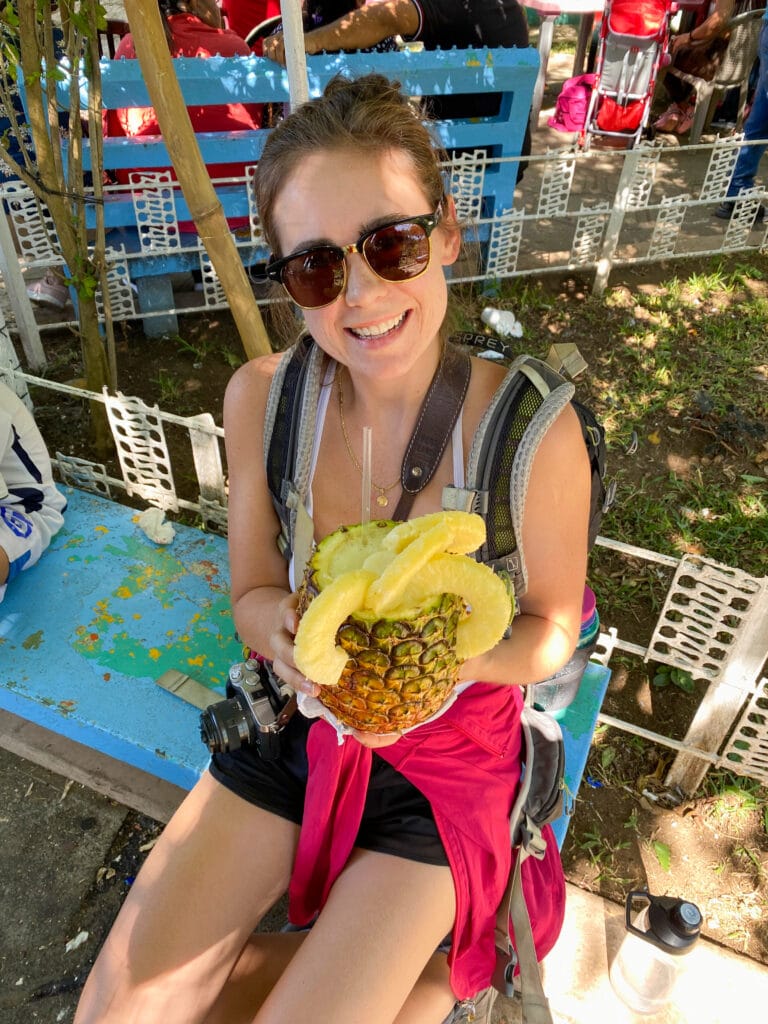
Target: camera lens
[225, 726]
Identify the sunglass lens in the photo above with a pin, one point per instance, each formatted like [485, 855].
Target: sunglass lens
[398, 252]
[315, 278]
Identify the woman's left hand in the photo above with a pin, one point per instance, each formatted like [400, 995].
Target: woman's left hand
[282, 643]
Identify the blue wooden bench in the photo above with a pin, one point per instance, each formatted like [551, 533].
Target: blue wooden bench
[87, 632]
[152, 252]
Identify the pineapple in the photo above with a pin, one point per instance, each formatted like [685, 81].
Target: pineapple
[388, 611]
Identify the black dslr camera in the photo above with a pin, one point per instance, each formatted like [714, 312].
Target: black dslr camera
[252, 713]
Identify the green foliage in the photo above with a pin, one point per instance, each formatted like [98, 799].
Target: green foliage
[607, 756]
[666, 675]
[632, 821]
[602, 853]
[663, 854]
[169, 387]
[84, 278]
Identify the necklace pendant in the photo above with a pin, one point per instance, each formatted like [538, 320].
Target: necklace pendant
[381, 500]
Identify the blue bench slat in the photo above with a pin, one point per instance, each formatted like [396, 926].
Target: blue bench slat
[578, 722]
[246, 147]
[214, 80]
[84, 634]
[150, 150]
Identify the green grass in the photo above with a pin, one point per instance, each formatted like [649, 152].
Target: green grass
[602, 853]
[727, 521]
[734, 794]
[169, 388]
[684, 365]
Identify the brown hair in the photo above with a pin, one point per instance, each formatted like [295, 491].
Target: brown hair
[368, 114]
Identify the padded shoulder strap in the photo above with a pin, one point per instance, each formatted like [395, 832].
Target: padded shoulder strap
[289, 431]
[527, 402]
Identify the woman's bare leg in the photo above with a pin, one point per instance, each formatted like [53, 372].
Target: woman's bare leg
[266, 958]
[369, 957]
[431, 1000]
[218, 867]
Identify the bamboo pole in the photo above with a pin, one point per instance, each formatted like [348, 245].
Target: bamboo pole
[295, 54]
[165, 93]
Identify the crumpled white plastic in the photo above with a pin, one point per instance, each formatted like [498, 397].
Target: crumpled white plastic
[503, 322]
[153, 524]
[311, 707]
[75, 943]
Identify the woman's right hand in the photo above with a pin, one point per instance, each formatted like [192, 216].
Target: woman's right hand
[282, 642]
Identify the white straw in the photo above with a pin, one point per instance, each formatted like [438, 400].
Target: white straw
[367, 456]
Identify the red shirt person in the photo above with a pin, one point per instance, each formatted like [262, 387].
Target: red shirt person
[194, 29]
[243, 15]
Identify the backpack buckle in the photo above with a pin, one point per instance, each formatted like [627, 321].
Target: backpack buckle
[465, 499]
[504, 970]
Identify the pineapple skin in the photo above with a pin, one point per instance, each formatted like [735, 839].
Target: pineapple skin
[400, 671]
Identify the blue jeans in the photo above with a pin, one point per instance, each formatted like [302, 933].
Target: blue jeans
[756, 125]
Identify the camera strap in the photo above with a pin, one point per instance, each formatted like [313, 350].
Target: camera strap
[434, 425]
[184, 686]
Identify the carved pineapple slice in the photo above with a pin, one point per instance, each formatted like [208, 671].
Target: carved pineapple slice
[465, 531]
[481, 589]
[418, 541]
[316, 653]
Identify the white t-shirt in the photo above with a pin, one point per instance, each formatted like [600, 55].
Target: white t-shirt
[30, 505]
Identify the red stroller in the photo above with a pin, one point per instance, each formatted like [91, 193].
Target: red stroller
[634, 38]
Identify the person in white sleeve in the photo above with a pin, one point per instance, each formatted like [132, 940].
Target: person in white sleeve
[31, 507]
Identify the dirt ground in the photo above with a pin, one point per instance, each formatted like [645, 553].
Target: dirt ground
[628, 832]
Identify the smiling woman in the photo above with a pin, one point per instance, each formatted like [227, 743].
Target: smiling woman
[409, 831]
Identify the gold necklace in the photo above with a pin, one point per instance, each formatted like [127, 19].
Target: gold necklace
[381, 492]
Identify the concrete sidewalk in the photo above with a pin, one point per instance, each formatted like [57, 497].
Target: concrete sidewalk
[714, 987]
[75, 827]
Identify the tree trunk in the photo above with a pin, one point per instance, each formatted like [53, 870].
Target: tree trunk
[61, 189]
[97, 373]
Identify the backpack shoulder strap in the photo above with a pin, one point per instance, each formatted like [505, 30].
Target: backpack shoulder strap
[602, 496]
[437, 417]
[289, 430]
[539, 802]
[526, 404]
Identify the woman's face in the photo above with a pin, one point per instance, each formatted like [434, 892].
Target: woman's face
[377, 328]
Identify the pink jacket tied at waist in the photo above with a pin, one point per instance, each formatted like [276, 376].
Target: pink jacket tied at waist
[467, 764]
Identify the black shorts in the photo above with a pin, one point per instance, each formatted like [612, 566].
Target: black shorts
[397, 817]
